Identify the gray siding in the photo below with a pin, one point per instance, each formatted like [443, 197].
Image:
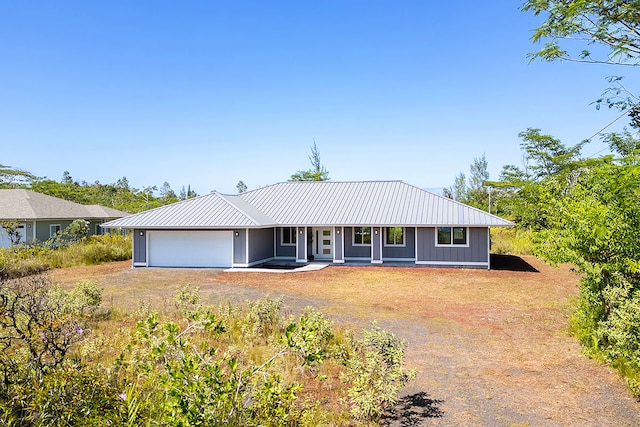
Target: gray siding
[406, 251]
[240, 246]
[301, 255]
[351, 251]
[338, 249]
[476, 252]
[42, 228]
[260, 244]
[283, 251]
[139, 246]
[376, 240]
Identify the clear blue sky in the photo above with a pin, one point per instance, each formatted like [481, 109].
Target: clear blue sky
[207, 93]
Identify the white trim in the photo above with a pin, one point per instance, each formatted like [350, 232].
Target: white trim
[54, 225]
[353, 236]
[393, 245]
[415, 238]
[489, 246]
[451, 245]
[139, 264]
[338, 261]
[398, 259]
[376, 261]
[275, 241]
[451, 263]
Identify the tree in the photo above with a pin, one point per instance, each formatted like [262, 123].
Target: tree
[608, 24]
[66, 178]
[241, 186]
[10, 177]
[317, 171]
[12, 228]
[458, 191]
[187, 194]
[478, 194]
[546, 155]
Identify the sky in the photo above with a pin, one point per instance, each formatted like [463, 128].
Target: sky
[207, 93]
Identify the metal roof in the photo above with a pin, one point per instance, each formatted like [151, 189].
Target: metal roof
[209, 211]
[28, 205]
[385, 203]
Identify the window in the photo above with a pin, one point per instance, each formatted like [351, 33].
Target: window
[451, 236]
[394, 236]
[289, 236]
[54, 229]
[361, 235]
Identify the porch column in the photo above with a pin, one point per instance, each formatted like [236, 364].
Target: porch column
[376, 245]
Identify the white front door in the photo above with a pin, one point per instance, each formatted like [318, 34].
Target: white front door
[323, 243]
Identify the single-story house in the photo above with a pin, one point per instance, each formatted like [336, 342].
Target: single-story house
[370, 221]
[40, 216]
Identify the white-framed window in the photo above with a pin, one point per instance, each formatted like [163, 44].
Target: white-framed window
[452, 236]
[289, 236]
[54, 229]
[361, 236]
[394, 236]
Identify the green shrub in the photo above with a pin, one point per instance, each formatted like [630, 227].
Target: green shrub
[512, 241]
[67, 395]
[375, 372]
[22, 261]
[198, 369]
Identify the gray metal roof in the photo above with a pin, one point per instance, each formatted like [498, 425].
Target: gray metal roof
[385, 203]
[210, 211]
[28, 205]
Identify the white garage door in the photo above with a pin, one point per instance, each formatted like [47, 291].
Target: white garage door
[5, 240]
[190, 248]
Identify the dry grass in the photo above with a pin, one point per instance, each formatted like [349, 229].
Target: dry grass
[491, 347]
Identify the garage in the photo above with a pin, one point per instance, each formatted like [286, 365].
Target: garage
[5, 240]
[190, 248]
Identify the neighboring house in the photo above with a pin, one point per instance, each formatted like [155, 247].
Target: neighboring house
[371, 221]
[40, 216]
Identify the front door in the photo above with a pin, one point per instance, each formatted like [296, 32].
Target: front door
[323, 243]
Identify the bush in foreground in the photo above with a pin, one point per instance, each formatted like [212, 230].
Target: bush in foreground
[248, 365]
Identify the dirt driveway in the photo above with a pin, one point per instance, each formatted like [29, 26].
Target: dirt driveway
[491, 347]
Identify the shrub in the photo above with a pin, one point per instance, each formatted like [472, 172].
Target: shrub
[39, 326]
[375, 372]
[22, 261]
[512, 241]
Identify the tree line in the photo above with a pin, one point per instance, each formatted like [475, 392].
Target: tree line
[119, 195]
